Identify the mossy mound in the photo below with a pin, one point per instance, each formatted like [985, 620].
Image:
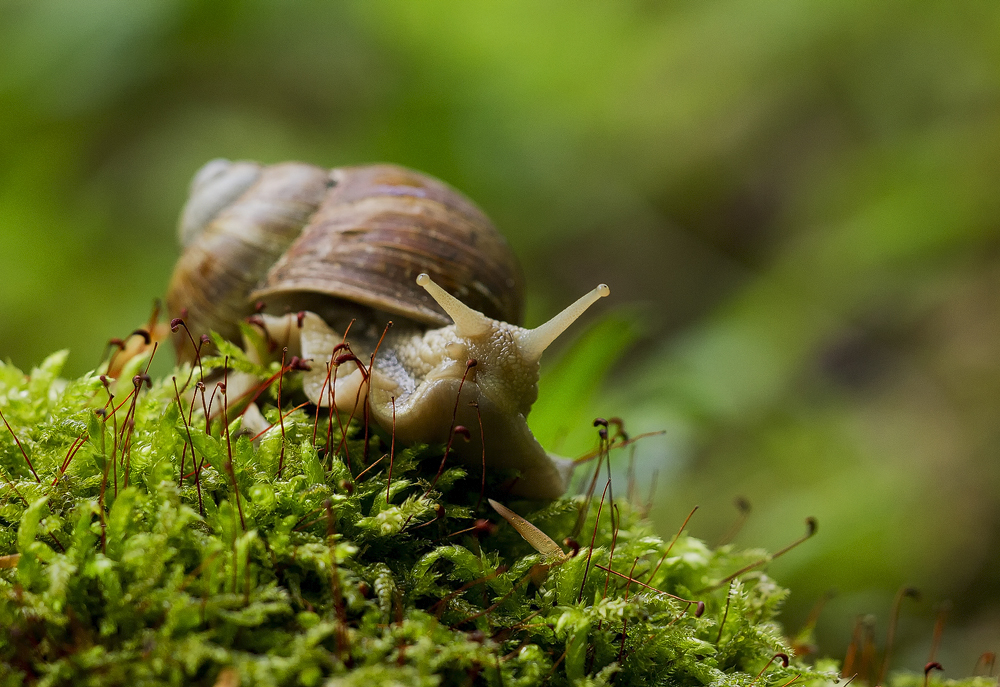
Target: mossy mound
[272, 561]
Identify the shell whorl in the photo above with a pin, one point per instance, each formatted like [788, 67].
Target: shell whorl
[381, 226]
[240, 240]
[292, 234]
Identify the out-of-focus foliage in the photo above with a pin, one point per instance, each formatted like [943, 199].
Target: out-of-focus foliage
[801, 195]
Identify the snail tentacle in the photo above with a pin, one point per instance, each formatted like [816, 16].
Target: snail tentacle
[331, 251]
[422, 382]
[533, 342]
[468, 322]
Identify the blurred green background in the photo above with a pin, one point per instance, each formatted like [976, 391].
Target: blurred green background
[795, 205]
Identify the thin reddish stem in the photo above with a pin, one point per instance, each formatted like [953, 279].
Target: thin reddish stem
[810, 531]
[229, 445]
[70, 454]
[454, 419]
[281, 417]
[593, 539]
[725, 614]
[893, 621]
[369, 469]
[672, 542]
[700, 604]
[23, 452]
[783, 657]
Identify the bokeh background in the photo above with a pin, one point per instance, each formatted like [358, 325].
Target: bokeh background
[795, 204]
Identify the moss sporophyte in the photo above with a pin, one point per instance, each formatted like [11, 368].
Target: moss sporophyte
[147, 536]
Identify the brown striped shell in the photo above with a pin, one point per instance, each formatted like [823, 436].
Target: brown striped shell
[291, 234]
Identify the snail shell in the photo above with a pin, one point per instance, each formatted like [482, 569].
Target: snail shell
[300, 237]
[369, 244]
[240, 219]
[382, 225]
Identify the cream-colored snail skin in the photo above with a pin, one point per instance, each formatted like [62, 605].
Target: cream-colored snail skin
[374, 244]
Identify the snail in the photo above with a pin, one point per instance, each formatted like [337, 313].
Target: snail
[315, 253]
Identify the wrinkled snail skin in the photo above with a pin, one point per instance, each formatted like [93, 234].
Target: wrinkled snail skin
[356, 247]
[421, 386]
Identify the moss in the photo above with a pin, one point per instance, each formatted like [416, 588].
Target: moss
[156, 548]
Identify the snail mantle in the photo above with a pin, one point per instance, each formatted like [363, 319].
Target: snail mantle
[329, 257]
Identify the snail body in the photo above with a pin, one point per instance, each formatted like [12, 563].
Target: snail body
[375, 244]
